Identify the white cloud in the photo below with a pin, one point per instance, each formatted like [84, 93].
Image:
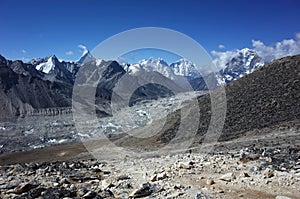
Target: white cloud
[280, 49]
[286, 47]
[83, 49]
[221, 46]
[221, 58]
[69, 53]
[24, 51]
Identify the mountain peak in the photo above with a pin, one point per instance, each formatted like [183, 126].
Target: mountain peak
[244, 62]
[47, 66]
[153, 61]
[246, 51]
[85, 58]
[184, 67]
[53, 56]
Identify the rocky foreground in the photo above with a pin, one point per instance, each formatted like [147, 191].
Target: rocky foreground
[248, 173]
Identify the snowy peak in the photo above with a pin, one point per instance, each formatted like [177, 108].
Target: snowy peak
[181, 68]
[48, 65]
[244, 62]
[185, 68]
[153, 62]
[150, 65]
[85, 58]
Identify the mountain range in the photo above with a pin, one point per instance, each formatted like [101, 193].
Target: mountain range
[47, 82]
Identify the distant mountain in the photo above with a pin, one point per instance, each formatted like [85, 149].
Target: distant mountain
[244, 62]
[32, 88]
[185, 68]
[85, 58]
[23, 94]
[55, 70]
[150, 65]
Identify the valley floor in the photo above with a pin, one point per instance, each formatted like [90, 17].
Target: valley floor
[236, 169]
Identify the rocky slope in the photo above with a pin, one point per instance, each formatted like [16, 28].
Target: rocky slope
[22, 94]
[267, 97]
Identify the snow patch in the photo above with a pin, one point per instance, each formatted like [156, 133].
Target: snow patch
[99, 62]
[29, 132]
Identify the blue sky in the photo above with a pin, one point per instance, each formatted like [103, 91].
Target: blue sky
[32, 28]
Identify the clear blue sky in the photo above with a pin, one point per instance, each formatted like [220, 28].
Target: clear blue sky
[42, 28]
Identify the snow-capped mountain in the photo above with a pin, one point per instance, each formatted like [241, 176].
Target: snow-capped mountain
[150, 65]
[54, 69]
[185, 68]
[244, 62]
[85, 58]
[175, 71]
[241, 63]
[48, 65]
[181, 67]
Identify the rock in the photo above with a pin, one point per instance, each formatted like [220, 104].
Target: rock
[220, 191]
[24, 187]
[268, 173]
[174, 195]
[210, 182]
[17, 168]
[82, 177]
[245, 175]
[124, 185]
[34, 193]
[108, 194]
[90, 195]
[153, 178]
[107, 183]
[100, 175]
[201, 196]
[81, 192]
[64, 181]
[161, 176]
[72, 186]
[57, 192]
[282, 197]
[122, 177]
[8, 186]
[178, 186]
[145, 190]
[182, 165]
[250, 157]
[228, 177]
[55, 184]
